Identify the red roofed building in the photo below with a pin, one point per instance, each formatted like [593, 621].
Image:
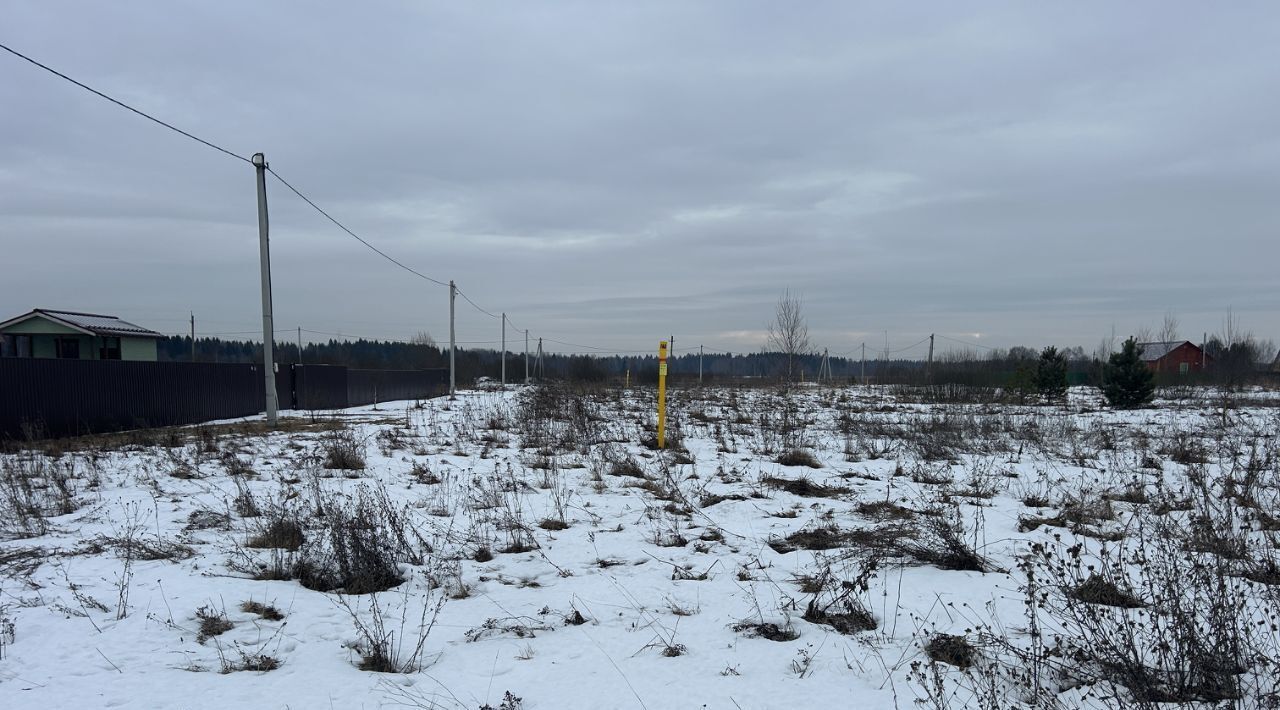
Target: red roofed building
[1175, 357]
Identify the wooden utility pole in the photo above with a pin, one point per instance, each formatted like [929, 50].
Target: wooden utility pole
[928, 368]
[699, 364]
[193, 336]
[504, 349]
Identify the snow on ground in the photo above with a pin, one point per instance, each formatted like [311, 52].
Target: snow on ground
[161, 570]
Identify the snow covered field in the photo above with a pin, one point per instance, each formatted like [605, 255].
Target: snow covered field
[816, 548]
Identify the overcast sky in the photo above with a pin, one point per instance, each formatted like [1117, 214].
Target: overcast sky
[611, 173]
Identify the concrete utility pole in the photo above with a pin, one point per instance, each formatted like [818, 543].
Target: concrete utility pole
[453, 381]
[299, 345]
[671, 349]
[928, 368]
[542, 370]
[862, 377]
[504, 349]
[526, 356]
[268, 328]
[193, 336]
[699, 364]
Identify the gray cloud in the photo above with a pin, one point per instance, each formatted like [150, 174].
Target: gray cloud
[609, 174]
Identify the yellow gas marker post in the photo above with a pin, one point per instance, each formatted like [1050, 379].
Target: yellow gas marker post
[662, 393]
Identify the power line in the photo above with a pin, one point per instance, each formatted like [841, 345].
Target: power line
[962, 342]
[467, 298]
[344, 335]
[228, 332]
[122, 104]
[579, 345]
[303, 197]
[357, 237]
[900, 350]
[590, 350]
[604, 355]
[918, 343]
[389, 340]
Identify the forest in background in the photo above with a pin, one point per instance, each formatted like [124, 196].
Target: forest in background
[1239, 363]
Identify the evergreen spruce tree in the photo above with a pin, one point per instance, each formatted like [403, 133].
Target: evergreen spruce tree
[1022, 384]
[1051, 375]
[1127, 382]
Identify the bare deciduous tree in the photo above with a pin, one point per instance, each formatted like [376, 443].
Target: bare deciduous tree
[1232, 333]
[423, 338]
[1169, 327]
[788, 332]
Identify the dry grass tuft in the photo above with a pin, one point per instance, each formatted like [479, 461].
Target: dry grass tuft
[952, 650]
[799, 457]
[1097, 590]
[803, 487]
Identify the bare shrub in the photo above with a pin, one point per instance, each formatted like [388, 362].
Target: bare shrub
[943, 544]
[282, 531]
[626, 466]
[839, 602]
[1187, 632]
[363, 541]
[344, 451]
[388, 648]
[32, 489]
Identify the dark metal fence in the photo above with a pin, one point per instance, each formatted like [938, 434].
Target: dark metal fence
[44, 397]
[317, 387]
[373, 386]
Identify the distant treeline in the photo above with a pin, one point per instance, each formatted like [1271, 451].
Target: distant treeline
[473, 363]
[999, 368]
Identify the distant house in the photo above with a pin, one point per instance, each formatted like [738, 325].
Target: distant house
[1177, 356]
[45, 333]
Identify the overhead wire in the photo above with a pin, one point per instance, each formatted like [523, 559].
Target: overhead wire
[357, 237]
[275, 174]
[962, 342]
[304, 198]
[124, 105]
[226, 332]
[916, 344]
[467, 298]
[579, 345]
[922, 341]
